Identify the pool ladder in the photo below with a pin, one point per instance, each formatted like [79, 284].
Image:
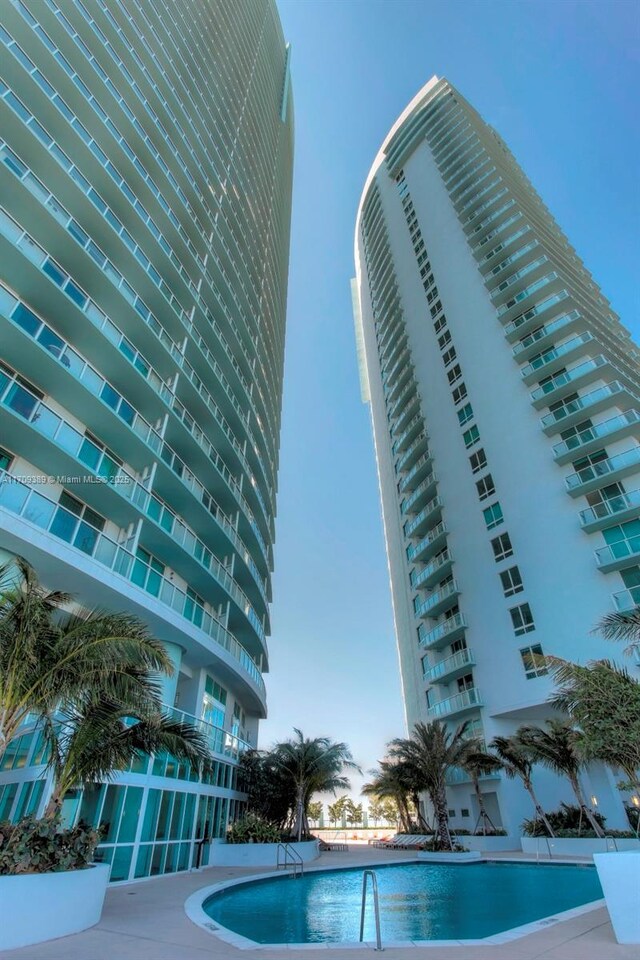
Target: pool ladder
[376, 905]
[288, 856]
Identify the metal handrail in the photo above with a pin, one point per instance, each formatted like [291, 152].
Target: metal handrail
[291, 858]
[376, 906]
[546, 839]
[613, 840]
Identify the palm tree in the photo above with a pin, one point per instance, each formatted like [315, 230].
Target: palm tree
[48, 657]
[516, 761]
[96, 737]
[431, 751]
[390, 782]
[312, 766]
[557, 748]
[475, 763]
[622, 626]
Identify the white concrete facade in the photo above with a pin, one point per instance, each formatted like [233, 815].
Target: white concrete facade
[504, 401]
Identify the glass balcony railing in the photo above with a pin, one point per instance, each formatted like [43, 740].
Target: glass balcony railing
[416, 468]
[219, 740]
[89, 455]
[26, 502]
[457, 704]
[609, 508]
[548, 329]
[424, 485]
[596, 432]
[535, 311]
[454, 624]
[426, 511]
[529, 268]
[627, 599]
[554, 353]
[604, 468]
[431, 604]
[568, 377]
[405, 459]
[413, 423]
[397, 406]
[527, 292]
[615, 554]
[419, 548]
[582, 403]
[431, 570]
[463, 658]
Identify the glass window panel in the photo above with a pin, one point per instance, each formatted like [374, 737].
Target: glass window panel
[110, 818]
[130, 815]
[39, 510]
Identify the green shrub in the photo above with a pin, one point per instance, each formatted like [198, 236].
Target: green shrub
[253, 829]
[435, 845]
[41, 846]
[565, 822]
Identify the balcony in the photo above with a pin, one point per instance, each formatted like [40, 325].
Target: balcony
[449, 668]
[427, 517]
[403, 356]
[529, 291]
[406, 461]
[593, 369]
[605, 471]
[553, 359]
[591, 438]
[429, 545]
[618, 556]
[46, 514]
[526, 347]
[619, 508]
[421, 493]
[394, 389]
[435, 604]
[456, 775]
[572, 412]
[407, 434]
[446, 632]
[420, 467]
[394, 408]
[412, 407]
[460, 703]
[627, 599]
[529, 318]
[434, 571]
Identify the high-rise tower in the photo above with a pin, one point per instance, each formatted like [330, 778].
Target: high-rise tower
[504, 398]
[145, 174]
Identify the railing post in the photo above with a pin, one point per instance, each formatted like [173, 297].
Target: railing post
[376, 906]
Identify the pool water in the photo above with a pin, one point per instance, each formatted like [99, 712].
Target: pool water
[418, 901]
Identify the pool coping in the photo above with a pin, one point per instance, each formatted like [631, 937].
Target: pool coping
[193, 908]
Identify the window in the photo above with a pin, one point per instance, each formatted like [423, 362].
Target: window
[435, 309]
[471, 436]
[465, 414]
[444, 339]
[464, 812]
[214, 703]
[440, 324]
[532, 661]
[465, 683]
[522, 619]
[451, 812]
[511, 581]
[493, 515]
[449, 356]
[459, 393]
[478, 461]
[5, 459]
[454, 374]
[502, 547]
[486, 487]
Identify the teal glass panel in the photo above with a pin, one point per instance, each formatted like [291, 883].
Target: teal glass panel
[143, 863]
[121, 863]
[151, 814]
[187, 821]
[176, 817]
[7, 796]
[130, 815]
[91, 800]
[165, 814]
[110, 817]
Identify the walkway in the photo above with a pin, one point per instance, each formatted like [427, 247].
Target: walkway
[146, 921]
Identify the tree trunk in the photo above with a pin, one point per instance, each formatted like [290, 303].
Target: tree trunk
[575, 783]
[484, 816]
[540, 814]
[439, 800]
[53, 807]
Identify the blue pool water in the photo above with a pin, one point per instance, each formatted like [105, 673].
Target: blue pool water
[418, 901]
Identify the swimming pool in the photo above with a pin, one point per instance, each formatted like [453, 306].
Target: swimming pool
[418, 901]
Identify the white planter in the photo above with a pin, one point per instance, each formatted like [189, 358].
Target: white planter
[619, 875]
[445, 857]
[44, 906]
[489, 844]
[574, 846]
[224, 854]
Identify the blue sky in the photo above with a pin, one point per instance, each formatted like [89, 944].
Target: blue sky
[557, 80]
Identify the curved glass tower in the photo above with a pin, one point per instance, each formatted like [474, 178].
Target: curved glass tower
[145, 173]
[504, 397]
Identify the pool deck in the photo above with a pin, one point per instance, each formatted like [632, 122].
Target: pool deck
[146, 921]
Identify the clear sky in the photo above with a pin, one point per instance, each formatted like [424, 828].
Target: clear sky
[559, 81]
